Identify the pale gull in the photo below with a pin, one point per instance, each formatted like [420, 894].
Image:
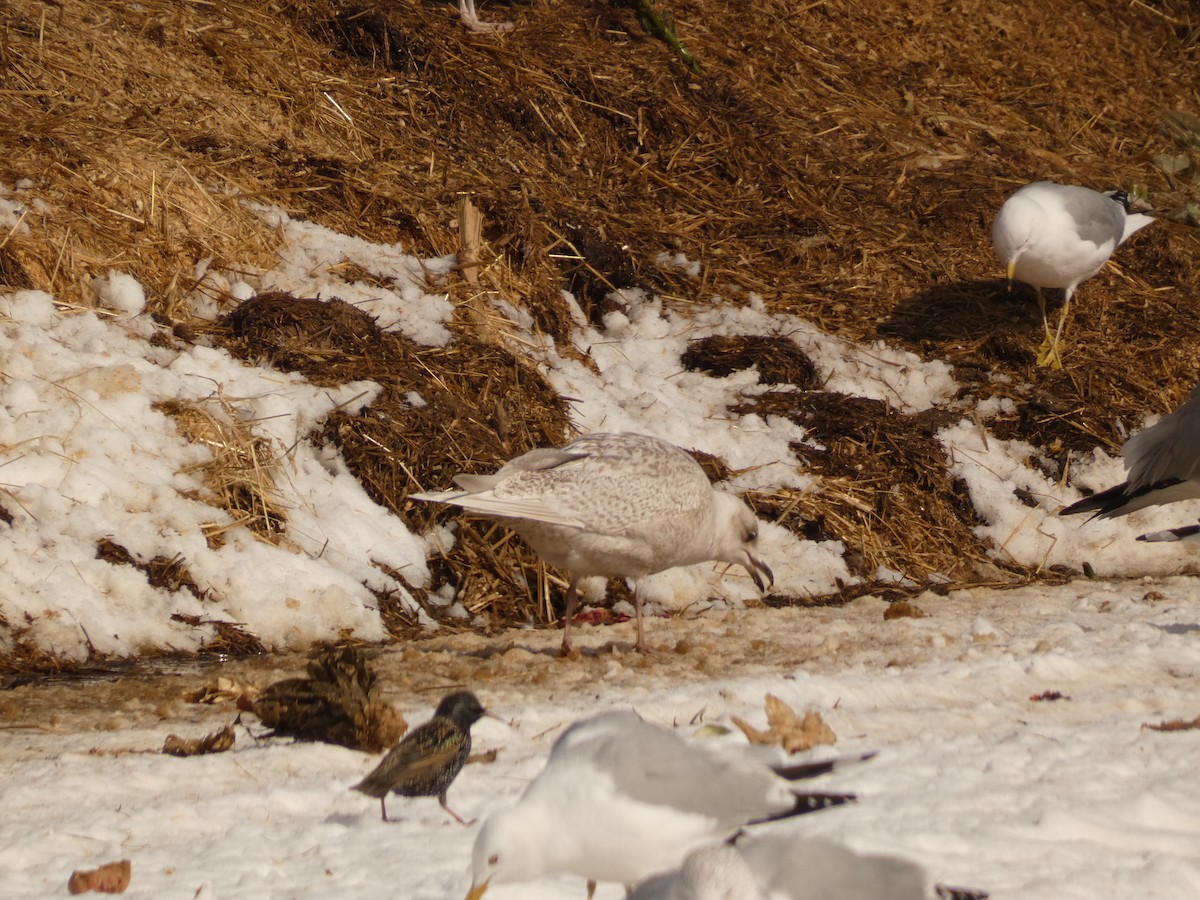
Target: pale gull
[621, 799]
[1058, 235]
[788, 866]
[1163, 462]
[617, 505]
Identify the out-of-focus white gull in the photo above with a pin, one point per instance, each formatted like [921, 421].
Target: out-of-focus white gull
[621, 799]
[788, 866]
[1057, 236]
[466, 12]
[617, 505]
[1163, 463]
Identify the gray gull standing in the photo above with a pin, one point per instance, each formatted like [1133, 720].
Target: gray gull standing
[1163, 462]
[621, 799]
[1058, 235]
[617, 505]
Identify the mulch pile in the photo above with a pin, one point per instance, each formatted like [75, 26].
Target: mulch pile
[842, 161]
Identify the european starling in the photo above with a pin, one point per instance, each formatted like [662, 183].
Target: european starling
[430, 756]
[339, 702]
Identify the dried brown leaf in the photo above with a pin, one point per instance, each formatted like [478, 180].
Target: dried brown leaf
[217, 742]
[222, 690]
[787, 730]
[112, 878]
[1174, 725]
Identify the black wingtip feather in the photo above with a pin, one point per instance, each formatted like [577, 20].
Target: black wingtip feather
[945, 892]
[1111, 503]
[804, 771]
[809, 803]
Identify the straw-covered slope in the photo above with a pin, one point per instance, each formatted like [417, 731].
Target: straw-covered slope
[842, 160]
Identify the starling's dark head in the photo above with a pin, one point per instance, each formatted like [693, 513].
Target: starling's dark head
[462, 708]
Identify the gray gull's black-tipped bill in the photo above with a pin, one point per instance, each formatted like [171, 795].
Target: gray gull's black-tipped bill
[754, 566]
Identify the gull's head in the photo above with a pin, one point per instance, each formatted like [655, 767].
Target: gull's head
[737, 539]
[717, 872]
[1015, 229]
[504, 851]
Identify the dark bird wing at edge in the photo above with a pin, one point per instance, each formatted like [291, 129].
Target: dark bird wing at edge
[1119, 500]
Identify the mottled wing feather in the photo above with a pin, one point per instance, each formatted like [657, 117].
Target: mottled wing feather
[489, 504]
[636, 479]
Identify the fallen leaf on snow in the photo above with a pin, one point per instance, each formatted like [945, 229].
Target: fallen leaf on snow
[786, 729]
[1174, 725]
[600, 617]
[222, 690]
[108, 879]
[217, 742]
[1049, 695]
[902, 609]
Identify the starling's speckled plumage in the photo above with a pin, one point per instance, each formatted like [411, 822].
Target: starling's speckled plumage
[339, 703]
[430, 756]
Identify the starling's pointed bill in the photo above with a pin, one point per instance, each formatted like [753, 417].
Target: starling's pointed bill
[429, 757]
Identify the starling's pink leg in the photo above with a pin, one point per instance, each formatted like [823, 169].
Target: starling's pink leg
[457, 817]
